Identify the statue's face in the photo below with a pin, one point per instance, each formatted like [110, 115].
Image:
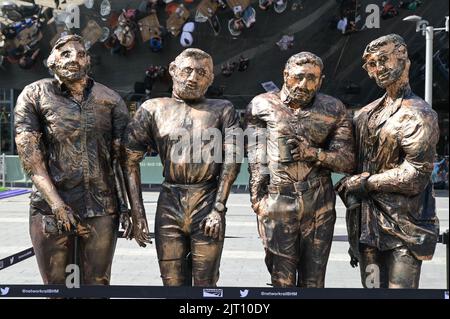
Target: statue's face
[385, 66]
[191, 77]
[71, 62]
[303, 81]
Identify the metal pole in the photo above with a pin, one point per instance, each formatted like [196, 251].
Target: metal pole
[445, 241]
[429, 33]
[11, 120]
[3, 170]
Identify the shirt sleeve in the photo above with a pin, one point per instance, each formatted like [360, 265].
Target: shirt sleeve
[137, 135]
[26, 117]
[256, 146]
[120, 119]
[28, 131]
[341, 148]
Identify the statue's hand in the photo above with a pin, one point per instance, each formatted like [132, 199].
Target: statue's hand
[356, 184]
[213, 225]
[140, 230]
[261, 207]
[301, 150]
[68, 221]
[127, 225]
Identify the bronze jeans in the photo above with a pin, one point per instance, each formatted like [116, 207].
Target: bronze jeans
[395, 268]
[297, 234]
[180, 210]
[95, 253]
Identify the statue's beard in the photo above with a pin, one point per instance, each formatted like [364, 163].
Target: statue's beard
[299, 96]
[66, 74]
[390, 76]
[184, 92]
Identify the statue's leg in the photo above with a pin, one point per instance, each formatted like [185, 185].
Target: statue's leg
[404, 268]
[53, 252]
[279, 231]
[316, 234]
[206, 251]
[96, 252]
[373, 268]
[171, 236]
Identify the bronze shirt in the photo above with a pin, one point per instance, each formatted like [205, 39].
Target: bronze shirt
[159, 122]
[77, 143]
[397, 144]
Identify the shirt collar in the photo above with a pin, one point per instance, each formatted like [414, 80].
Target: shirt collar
[391, 109]
[178, 99]
[63, 90]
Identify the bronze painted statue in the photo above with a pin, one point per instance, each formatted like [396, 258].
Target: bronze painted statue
[396, 139]
[190, 214]
[309, 135]
[68, 135]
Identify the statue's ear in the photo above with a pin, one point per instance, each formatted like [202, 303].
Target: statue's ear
[402, 52]
[285, 74]
[172, 67]
[321, 81]
[211, 78]
[88, 58]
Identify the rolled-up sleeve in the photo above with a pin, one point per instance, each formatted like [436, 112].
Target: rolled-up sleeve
[26, 117]
[137, 135]
[341, 148]
[255, 129]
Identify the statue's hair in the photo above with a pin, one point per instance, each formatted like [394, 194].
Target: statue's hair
[304, 58]
[376, 44]
[194, 53]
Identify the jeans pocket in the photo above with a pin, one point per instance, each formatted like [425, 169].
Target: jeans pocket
[282, 207]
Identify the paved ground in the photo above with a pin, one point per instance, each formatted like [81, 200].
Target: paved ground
[242, 259]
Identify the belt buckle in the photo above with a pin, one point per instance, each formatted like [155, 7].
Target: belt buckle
[298, 189]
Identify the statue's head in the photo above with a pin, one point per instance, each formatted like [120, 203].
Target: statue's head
[192, 74]
[69, 60]
[303, 76]
[386, 60]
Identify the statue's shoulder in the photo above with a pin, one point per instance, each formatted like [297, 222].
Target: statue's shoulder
[330, 104]
[268, 97]
[415, 106]
[263, 101]
[39, 84]
[362, 112]
[105, 93]
[152, 105]
[220, 105]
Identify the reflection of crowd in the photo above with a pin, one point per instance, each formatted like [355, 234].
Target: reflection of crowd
[229, 67]
[440, 172]
[19, 42]
[123, 27]
[349, 12]
[152, 74]
[5, 119]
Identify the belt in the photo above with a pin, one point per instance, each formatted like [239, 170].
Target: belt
[187, 186]
[298, 187]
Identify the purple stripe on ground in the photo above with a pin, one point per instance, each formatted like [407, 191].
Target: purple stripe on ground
[14, 192]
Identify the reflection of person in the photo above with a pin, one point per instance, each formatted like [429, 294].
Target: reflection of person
[309, 136]
[28, 60]
[243, 63]
[396, 138]
[68, 133]
[190, 216]
[4, 115]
